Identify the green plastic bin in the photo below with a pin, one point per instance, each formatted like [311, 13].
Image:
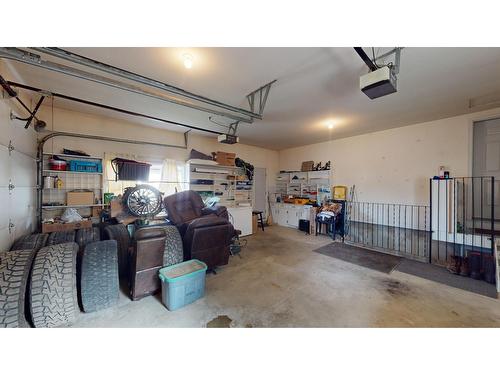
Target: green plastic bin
[182, 283]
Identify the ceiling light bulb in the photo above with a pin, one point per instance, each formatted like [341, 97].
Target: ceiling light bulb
[188, 61]
[330, 126]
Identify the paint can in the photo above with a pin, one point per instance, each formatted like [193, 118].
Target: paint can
[48, 182]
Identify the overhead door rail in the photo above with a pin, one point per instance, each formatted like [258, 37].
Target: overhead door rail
[219, 108]
[104, 106]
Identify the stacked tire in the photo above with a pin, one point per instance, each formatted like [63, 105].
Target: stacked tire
[30, 242]
[173, 253]
[53, 292]
[99, 276]
[56, 238]
[14, 274]
[85, 236]
[120, 234]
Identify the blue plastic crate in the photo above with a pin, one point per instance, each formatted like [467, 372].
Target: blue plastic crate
[182, 283]
[85, 166]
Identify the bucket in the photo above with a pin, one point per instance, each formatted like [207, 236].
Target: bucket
[57, 165]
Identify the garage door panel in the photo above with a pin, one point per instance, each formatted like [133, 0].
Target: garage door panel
[5, 239]
[24, 140]
[22, 203]
[5, 134]
[22, 211]
[23, 170]
[4, 166]
[4, 211]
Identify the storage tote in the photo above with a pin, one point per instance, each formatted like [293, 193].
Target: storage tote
[182, 283]
[130, 170]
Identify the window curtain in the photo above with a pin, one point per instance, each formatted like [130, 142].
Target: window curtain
[174, 177]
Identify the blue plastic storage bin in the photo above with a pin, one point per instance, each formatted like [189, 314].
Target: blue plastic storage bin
[85, 166]
[182, 283]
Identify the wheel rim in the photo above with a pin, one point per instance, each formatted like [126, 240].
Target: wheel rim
[143, 201]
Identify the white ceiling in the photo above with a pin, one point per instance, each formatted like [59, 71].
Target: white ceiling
[314, 85]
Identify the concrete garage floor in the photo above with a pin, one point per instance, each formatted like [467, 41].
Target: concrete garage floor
[281, 282]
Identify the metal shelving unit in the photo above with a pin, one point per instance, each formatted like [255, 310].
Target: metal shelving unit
[315, 185]
[53, 200]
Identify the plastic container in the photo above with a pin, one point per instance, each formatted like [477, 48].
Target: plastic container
[340, 192]
[182, 283]
[130, 170]
[57, 165]
[85, 166]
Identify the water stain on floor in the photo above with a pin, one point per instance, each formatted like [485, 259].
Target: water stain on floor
[396, 288]
[222, 321]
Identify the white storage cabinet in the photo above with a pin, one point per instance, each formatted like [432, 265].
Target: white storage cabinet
[288, 215]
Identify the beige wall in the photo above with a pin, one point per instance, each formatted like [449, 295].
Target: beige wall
[78, 122]
[17, 167]
[394, 166]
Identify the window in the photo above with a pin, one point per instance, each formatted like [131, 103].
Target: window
[169, 176]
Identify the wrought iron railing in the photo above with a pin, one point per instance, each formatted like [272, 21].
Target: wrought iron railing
[399, 229]
[463, 217]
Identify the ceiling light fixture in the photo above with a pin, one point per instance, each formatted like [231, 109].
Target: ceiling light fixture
[330, 124]
[188, 60]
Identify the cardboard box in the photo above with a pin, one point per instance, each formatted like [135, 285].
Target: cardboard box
[79, 198]
[225, 158]
[307, 166]
[63, 227]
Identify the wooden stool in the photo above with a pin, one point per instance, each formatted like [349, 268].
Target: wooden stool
[260, 219]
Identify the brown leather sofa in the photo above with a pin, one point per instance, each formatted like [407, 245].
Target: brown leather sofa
[206, 232]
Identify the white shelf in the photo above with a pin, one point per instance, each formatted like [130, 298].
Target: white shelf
[230, 190]
[56, 189]
[308, 181]
[73, 206]
[72, 156]
[72, 172]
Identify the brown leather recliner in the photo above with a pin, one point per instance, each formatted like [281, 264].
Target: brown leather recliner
[146, 260]
[206, 232]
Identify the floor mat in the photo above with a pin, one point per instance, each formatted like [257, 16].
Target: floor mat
[441, 275]
[362, 257]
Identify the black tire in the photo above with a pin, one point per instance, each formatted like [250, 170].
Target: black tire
[14, 273]
[99, 276]
[119, 233]
[56, 238]
[53, 293]
[30, 242]
[173, 253]
[85, 236]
